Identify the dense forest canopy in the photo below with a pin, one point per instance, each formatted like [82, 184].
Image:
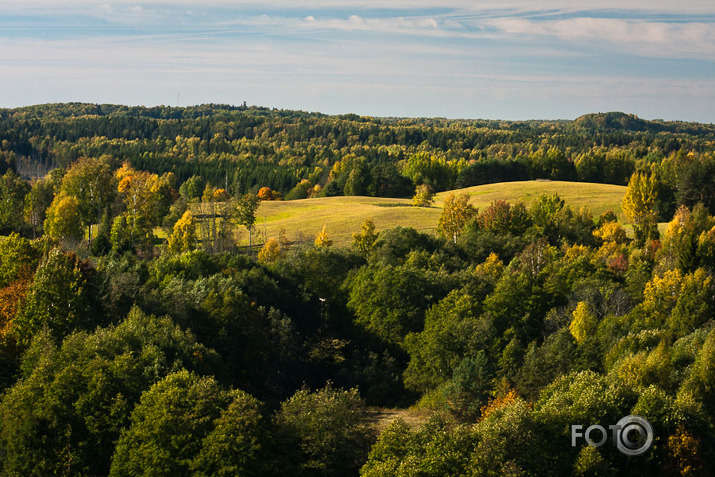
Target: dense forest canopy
[245, 148]
[137, 337]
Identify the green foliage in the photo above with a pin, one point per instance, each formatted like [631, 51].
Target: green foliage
[543, 364]
[12, 197]
[478, 243]
[192, 188]
[251, 147]
[695, 185]
[92, 183]
[552, 218]
[695, 304]
[679, 248]
[18, 257]
[591, 463]
[585, 397]
[395, 244]
[509, 443]
[300, 191]
[519, 301]
[390, 453]
[639, 206]
[502, 217]
[659, 298]
[431, 170]
[37, 202]
[437, 448]
[390, 301]
[325, 432]
[574, 316]
[551, 163]
[59, 298]
[452, 330]
[358, 179]
[121, 236]
[600, 164]
[471, 382]
[706, 249]
[221, 310]
[236, 445]
[424, 196]
[365, 240]
[101, 245]
[68, 411]
[700, 383]
[186, 423]
[456, 213]
[245, 211]
[544, 210]
[176, 211]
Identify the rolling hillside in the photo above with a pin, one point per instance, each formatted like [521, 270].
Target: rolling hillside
[303, 219]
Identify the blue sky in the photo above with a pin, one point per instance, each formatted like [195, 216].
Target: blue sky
[513, 59]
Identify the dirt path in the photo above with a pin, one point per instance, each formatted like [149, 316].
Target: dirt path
[382, 417]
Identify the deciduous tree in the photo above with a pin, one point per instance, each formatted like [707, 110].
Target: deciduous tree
[12, 195]
[92, 183]
[37, 202]
[365, 240]
[245, 214]
[456, 213]
[183, 239]
[323, 240]
[424, 196]
[265, 193]
[271, 251]
[64, 218]
[324, 432]
[583, 324]
[188, 424]
[59, 298]
[639, 204]
[66, 414]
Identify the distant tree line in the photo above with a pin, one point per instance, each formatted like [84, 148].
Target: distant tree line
[242, 149]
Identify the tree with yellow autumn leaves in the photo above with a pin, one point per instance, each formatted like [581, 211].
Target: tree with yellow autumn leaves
[456, 213]
[146, 198]
[639, 203]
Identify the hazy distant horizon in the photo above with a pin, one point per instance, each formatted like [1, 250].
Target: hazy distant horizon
[347, 113]
[510, 60]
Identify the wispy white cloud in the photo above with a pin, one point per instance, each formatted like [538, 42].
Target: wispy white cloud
[649, 5]
[647, 37]
[644, 37]
[418, 57]
[353, 23]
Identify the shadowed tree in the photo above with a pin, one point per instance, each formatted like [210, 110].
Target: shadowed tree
[245, 214]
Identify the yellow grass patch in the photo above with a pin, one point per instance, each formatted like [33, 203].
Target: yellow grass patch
[303, 219]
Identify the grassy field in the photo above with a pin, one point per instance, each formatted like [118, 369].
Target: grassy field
[303, 219]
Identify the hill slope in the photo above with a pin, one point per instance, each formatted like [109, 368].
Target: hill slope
[303, 219]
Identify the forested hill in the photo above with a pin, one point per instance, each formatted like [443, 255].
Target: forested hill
[137, 335]
[615, 121]
[245, 148]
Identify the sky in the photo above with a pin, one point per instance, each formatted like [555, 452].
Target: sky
[512, 59]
